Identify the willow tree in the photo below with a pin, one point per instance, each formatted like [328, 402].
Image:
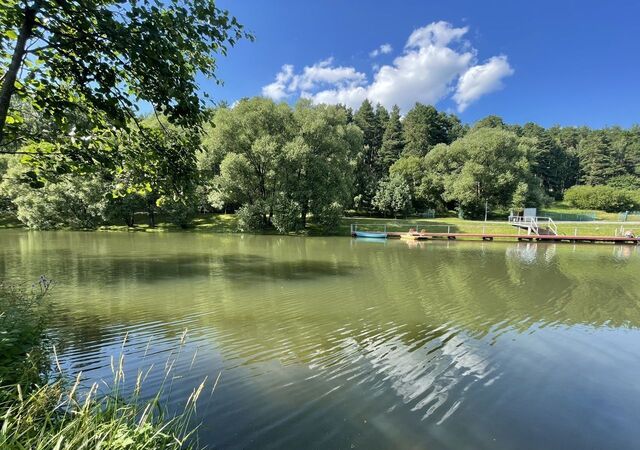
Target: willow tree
[106, 57]
[280, 165]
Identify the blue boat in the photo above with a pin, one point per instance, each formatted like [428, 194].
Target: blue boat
[371, 234]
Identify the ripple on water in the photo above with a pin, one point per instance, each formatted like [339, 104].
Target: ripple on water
[339, 343]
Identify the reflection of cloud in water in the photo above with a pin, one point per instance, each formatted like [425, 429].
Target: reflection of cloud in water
[428, 378]
[528, 252]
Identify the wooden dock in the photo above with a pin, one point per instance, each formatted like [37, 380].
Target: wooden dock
[423, 235]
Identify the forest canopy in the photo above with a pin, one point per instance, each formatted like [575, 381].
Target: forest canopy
[281, 167]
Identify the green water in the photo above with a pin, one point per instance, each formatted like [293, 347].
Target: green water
[340, 343]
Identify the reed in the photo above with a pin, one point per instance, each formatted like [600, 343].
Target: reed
[58, 412]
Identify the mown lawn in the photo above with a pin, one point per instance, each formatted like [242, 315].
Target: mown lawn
[215, 223]
[228, 223]
[455, 225]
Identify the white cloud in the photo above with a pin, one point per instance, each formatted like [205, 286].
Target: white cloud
[480, 80]
[438, 34]
[278, 89]
[322, 73]
[435, 60]
[384, 49]
[352, 97]
[423, 75]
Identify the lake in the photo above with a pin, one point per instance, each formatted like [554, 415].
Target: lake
[342, 343]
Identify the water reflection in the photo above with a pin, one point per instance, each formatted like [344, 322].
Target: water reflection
[343, 343]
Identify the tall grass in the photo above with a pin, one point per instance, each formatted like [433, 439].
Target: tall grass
[50, 411]
[23, 344]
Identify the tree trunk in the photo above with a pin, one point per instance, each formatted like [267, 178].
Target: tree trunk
[8, 84]
[303, 215]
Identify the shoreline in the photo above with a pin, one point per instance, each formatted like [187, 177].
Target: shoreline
[228, 223]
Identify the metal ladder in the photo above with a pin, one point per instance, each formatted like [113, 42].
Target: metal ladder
[533, 224]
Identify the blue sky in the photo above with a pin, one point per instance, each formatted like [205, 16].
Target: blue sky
[562, 62]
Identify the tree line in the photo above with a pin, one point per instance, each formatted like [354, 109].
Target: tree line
[78, 154]
[279, 166]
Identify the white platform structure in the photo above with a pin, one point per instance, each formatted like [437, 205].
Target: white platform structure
[534, 224]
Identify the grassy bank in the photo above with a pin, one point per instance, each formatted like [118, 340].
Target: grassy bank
[454, 225]
[42, 409]
[606, 224]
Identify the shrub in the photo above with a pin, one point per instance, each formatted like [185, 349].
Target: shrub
[251, 217]
[328, 218]
[605, 198]
[179, 211]
[73, 201]
[286, 216]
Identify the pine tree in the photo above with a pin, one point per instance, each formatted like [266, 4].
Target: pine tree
[392, 141]
[382, 118]
[425, 127]
[597, 162]
[548, 161]
[366, 179]
[365, 118]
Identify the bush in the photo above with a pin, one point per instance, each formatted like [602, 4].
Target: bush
[251, 217]
[393, 196]
[286, 216]
[74, 201]
[179, 211]
[604, 198]
[328, 218]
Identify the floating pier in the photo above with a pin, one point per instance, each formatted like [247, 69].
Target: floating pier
[423, 235]
[533, 226]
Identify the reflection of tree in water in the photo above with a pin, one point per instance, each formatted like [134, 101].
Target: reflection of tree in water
[416, 320]
[531, 284]
[624, 252]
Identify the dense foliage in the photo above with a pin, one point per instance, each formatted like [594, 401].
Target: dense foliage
[279, 167]
[73, 77]
[101, 58]
[155, 173]
[604, 198]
